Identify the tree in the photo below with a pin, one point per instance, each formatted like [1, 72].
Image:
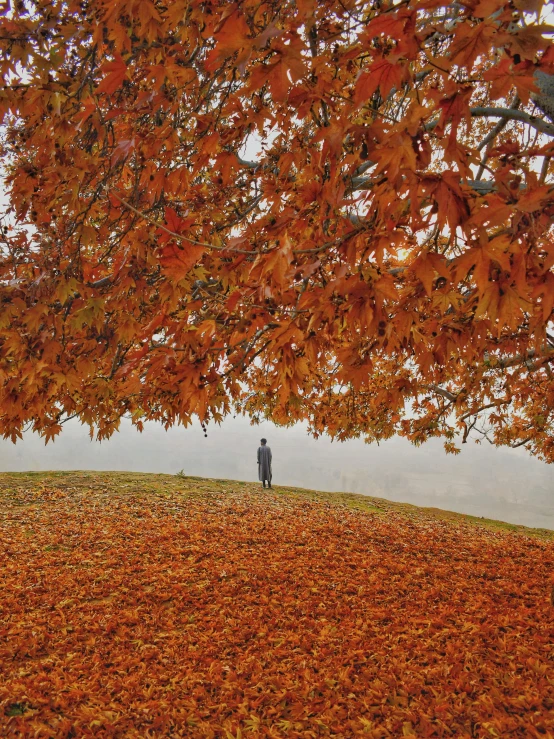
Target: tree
[338, 211]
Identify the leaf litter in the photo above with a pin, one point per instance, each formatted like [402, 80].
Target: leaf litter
[146, 606]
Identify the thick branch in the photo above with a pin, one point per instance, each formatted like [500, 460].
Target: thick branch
[483, 187]
[102, 282]
[497, 129]
[521, 443]
[515, 115]
[524, 358]
[441, 391]
[545, 98]
[247, 163]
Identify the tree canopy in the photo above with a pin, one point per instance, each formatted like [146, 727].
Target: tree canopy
[337, 211]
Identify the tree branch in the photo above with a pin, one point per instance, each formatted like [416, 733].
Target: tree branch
[247, 163]
[521, 443]
[524, 358]
[495, 404]
[498, 128]
[441, 391]
[483, 187]
[101, 283]
[515, 115]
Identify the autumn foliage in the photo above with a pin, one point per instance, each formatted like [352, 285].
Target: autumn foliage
[337, 211]
[144, 606]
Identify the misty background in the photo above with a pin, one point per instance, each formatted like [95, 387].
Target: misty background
[504, 484]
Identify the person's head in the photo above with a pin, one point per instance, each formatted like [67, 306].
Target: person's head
[263, 442]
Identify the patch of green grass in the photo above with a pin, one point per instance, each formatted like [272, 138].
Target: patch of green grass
[350, 500]
[15, 709]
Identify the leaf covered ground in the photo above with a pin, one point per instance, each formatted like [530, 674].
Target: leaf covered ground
[153, 606]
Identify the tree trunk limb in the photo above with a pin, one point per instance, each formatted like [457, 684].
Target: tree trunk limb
[515, 115]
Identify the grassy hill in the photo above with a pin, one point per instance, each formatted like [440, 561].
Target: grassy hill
[152, 605]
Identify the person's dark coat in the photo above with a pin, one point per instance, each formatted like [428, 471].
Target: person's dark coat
[264, 463]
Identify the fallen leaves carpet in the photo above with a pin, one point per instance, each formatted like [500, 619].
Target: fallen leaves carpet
[220, 610]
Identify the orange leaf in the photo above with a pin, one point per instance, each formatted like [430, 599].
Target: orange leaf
[177, 261]
[455, 108]
[533, 199]
[382, 76]
[233, 36]
[115, 72]
[470, 42]
[278, 77]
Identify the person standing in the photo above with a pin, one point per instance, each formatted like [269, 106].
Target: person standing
[264, 463]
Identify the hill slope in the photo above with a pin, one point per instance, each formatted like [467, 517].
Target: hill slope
[150, 605]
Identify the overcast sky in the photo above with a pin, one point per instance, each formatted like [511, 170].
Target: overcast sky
[504, 484]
